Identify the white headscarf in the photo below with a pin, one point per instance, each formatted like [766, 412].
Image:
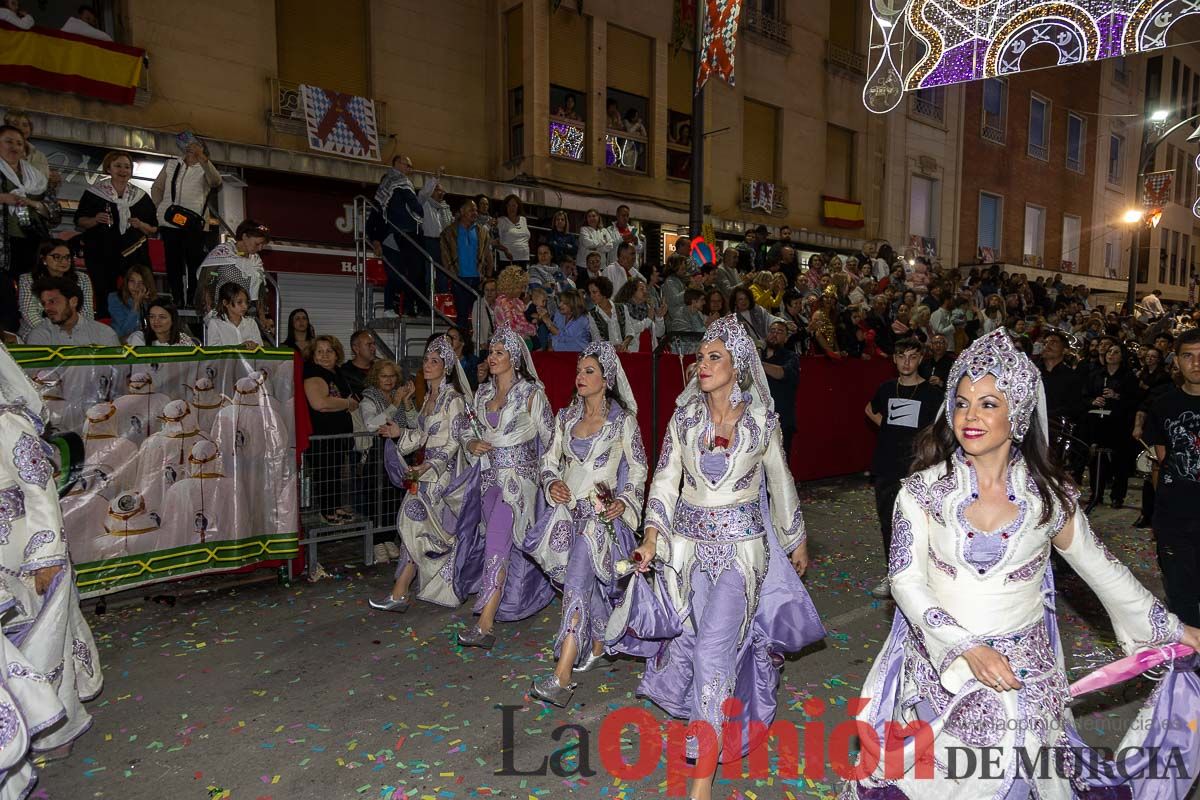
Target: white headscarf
[517, 351]
[442, 348]
[746, 363]
[27, 179]
[105, 191]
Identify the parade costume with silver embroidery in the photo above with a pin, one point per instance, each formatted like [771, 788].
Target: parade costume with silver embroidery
[427, 521]
[957, 588]
[726, 523]
[49, 657]
[571, 541]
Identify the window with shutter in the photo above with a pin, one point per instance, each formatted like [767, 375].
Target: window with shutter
[680, 82]
[569, 50]
[839, 162]
[629, 62]
[514, 29]
[322, 49]
[989, 222]
[1070, 243]
[760, 132]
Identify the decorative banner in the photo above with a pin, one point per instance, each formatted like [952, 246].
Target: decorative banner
[839, 213]
[719, 40]
[66, 62]
[683, 24]
[566, 139]
[189, 458]
[341, 124]
[762, 195]
[1196, 205]
[1157, 188]
[919, 44]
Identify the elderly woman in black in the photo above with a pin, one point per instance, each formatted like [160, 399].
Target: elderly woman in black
[329, 407]
[116, 218]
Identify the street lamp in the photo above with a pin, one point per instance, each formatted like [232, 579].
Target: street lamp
[1160, 116]
[1132, 216]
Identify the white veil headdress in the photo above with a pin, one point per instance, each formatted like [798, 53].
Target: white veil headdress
[442, 348]
[614, 375]
[1016, 376]
[517, 351]
[746, 366]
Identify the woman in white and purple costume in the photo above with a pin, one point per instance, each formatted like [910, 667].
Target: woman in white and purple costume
[594, 474]
[723, 520]
[511, 423]
[427, 522]
[974, 652]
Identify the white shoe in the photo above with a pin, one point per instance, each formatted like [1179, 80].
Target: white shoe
[381, 554]
[883, 591]
[393, 550]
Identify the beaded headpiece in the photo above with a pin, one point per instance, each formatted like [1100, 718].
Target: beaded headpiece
[607, 356]
[511, 342]
[1016, 376]
[441, 348]
[739, 344]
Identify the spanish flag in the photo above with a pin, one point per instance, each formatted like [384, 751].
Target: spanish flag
[839, 213]
[65, 62]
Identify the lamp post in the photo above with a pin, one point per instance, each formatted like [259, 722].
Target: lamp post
[1159, 120]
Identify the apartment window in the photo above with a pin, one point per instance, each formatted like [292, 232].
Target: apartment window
[990, 216]
[1121, 70]
[1035, 235]
[1153, 81]
[995, 110]
[760, 142]
[1185, 271]
[627, 107]
[1174, 257]
[843, 25]
[1174, 82]
[568, 86]
[514, 75]
[930, 103]
[1110, 260]
[765, 18]
[1076, 141]
[839, 162]
[1162, 256]
[1116, 151]
[1039, 128]
[1070, 243]
[922, 207]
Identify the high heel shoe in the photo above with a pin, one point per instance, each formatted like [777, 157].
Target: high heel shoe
[549, 690]
[398, 604]
[591, 662]
[477, 638]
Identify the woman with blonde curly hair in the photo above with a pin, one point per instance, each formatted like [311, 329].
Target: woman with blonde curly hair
[509, 311]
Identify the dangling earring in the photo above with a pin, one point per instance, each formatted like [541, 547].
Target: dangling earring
[735, 395]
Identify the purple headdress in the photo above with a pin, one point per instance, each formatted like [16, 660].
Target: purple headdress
[514, 345]
[729, 331]
[1016, 376]
[606, 354]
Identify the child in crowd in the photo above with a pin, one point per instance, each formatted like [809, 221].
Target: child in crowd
[510, 302]
[230, 326]
[535, 314]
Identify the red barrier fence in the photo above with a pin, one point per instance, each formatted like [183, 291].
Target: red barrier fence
[833, 436]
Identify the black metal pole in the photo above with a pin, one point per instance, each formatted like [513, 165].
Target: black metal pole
[696, 205]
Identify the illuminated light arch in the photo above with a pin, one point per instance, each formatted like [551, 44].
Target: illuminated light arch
[1073, 33]
[1149, 23]
[966, 40]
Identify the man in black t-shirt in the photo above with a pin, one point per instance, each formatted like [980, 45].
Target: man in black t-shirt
[1173, 430]
[900, 408]
[356, 370]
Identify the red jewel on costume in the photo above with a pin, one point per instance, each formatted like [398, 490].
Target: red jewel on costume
[720, 441]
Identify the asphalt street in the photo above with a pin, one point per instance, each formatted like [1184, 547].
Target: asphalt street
[269, 691]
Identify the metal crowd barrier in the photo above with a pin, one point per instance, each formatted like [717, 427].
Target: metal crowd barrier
[345, 473]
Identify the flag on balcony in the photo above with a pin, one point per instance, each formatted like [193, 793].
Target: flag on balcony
[719, 40]
[762, 195]
[341, 124]
[839, 213]
[66, 62]
[1158, 188]
[683, 24]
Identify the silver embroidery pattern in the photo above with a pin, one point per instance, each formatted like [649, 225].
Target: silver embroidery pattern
[746, 480]
[755, 431]
[938, 617]
[942, 565]
[1031, 569]
[83, 655]
[12, 508]
[32, 465]
[900, 556]
[601, 460]
[975, 720]
[560, 534]
[415, 510]
[931, 497]
[733, 523]
[795, 527]
[38, 541]
[714, 558]
[490, 583]
[664, 457]
[10, 724]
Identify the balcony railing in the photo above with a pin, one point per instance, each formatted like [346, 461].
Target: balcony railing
[568, 138]
[778, 198]
[625, 151]
[929, 104]
[287, 110]
[993, 133]
[839, 58]
[767, 26]
[1121, 76]
[1039, 151]
[1075, 163]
